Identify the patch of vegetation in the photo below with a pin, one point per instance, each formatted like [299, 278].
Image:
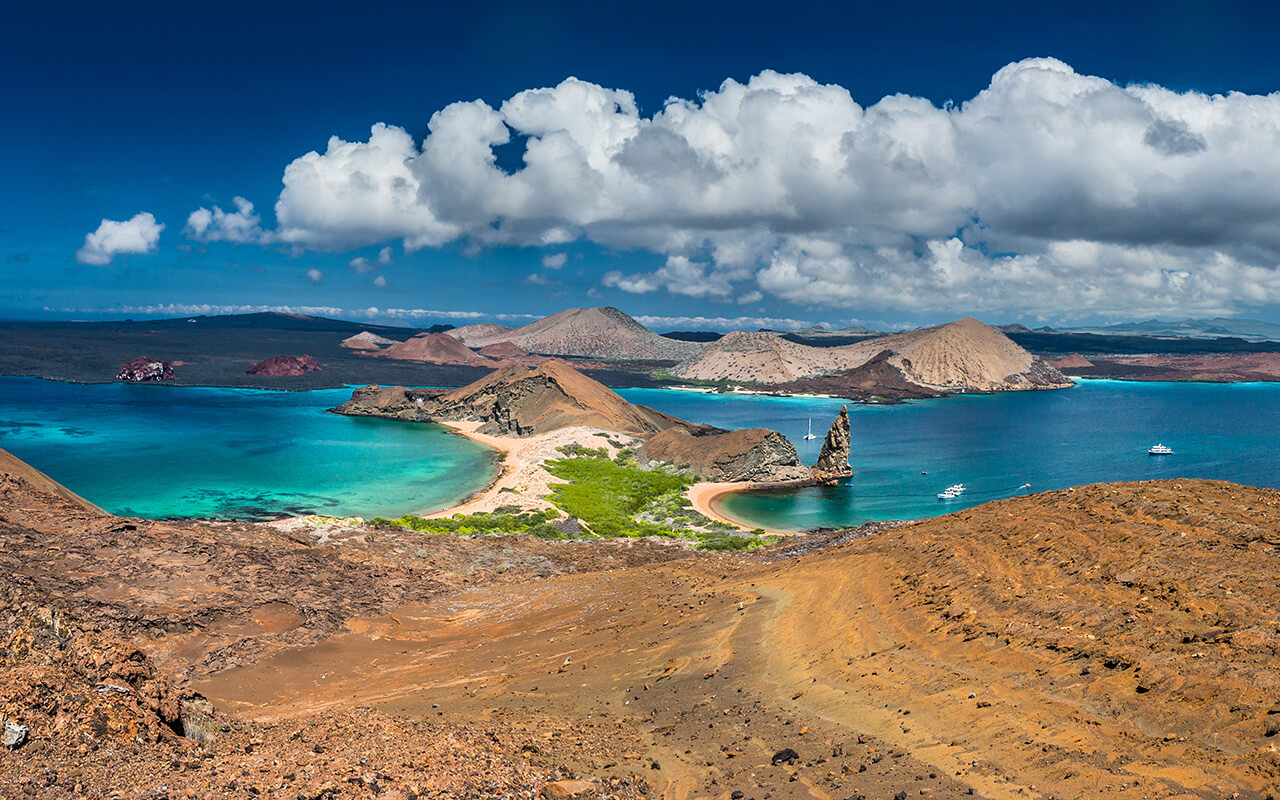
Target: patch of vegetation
[576, 450]
[505, 519]
[607, 495]
[611, 498]
[715, 540]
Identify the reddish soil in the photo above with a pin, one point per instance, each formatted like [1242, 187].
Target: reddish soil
[1116, 640]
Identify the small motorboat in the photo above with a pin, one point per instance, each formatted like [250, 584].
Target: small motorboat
[1159, 450]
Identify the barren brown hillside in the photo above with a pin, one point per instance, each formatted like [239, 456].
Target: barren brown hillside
[604, 333]
[961, 355]
[435, 348]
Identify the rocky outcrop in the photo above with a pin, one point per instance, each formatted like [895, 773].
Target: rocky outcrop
[364, 340]
[758, 455]
[390, 402]
[145, 370]
[516, 401]
[281, 366]
[833, 460]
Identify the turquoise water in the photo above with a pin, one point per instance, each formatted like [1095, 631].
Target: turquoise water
[153, 451]
[1097, 431]
[246, 454]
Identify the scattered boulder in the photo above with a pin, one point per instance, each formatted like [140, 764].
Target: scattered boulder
[15, 735]
[145, 370]
[784, 756]
[833, 461]
[279, 366]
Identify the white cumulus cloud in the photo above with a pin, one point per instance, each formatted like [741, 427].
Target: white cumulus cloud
[215, 225]
[1047, 190]
[138, 234]
[315, 275]
[555, 260]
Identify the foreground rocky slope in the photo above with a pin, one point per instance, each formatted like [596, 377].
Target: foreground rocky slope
[1111, 641]
[965, 355]
[1115, 640]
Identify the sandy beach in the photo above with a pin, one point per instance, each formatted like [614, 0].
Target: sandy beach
[521, 480]
[705, 495]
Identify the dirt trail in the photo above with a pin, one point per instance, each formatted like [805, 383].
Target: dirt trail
[1057, 646]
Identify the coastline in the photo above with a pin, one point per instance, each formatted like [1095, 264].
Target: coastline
[705, 497]
[520, 480]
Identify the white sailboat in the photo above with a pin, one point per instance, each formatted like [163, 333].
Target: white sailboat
[810, 434]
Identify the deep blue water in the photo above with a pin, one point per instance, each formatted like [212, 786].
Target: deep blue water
[1097, 431]
[160, 451]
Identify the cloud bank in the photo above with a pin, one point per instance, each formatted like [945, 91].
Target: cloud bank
[138, 234]
[1048, 190]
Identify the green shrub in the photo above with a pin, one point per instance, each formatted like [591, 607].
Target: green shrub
[507, 519]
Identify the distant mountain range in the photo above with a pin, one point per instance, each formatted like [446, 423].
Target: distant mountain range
[1218, 327]
[961, 355]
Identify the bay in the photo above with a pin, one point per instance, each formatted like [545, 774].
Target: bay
[1095, 432]
[179, 452]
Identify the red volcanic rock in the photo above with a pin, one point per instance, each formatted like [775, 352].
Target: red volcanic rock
[285, 365]
[145, 370]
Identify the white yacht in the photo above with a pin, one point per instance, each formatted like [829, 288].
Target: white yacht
[810, 434]
[1160, 450]
[951, 492]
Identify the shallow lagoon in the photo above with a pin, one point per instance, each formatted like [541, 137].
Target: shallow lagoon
[163, 451]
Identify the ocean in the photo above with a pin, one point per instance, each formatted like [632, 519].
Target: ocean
[1097, 431]
[164, 451]
[180, 452]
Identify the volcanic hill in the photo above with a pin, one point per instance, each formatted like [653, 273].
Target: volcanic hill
[965, 355]
[515, 401]
[602, 333]
[364, 340]
[435, 348]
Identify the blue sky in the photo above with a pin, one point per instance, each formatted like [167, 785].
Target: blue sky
[156, 109]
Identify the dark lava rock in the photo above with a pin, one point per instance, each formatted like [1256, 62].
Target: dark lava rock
[145, 370]
[285, 366]
[784, 756]
[753, 454]
[833, 461]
